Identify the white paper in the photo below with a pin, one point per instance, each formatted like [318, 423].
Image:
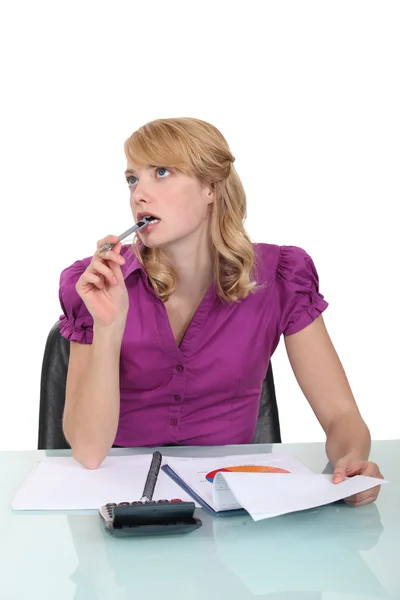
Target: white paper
[266, 495]
[194, 471]
[61, 483]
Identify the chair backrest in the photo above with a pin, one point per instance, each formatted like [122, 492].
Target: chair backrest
[52, 398]
[268, 430]
[52, 391]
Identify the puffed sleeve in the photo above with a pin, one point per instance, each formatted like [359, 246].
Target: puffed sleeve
[298, 288]
[76, 323]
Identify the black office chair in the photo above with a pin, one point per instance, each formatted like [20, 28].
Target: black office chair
[52, 398]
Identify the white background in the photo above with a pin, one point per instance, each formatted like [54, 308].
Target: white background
[307, 95]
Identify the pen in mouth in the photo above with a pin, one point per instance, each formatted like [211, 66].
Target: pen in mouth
[146, 221]
[137, 227]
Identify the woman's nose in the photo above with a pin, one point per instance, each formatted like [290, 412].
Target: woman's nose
[141, 191]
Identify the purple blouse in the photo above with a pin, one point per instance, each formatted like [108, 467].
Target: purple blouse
[207, 390]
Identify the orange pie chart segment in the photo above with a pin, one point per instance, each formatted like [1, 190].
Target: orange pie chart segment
[245, 469]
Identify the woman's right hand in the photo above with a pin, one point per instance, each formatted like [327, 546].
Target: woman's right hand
[102, 287]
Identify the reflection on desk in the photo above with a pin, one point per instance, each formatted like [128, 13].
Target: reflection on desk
[287, 552]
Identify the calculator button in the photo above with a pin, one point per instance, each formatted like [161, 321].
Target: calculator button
[162, 502]
[176, 500]
[124, 504]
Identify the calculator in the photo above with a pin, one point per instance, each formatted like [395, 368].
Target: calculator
[151, 517]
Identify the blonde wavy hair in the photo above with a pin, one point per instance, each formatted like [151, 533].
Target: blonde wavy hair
[198, 149]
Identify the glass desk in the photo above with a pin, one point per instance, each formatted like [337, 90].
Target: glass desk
[332, 552]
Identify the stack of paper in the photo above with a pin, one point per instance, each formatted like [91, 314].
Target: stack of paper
[265, 485]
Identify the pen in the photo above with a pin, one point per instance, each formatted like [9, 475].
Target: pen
[152, 477]
[137, 227]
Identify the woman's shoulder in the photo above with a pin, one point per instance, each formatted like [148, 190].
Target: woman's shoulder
[296, 285]
[266, 256]
[277, 259]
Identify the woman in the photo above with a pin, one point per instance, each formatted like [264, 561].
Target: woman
[171, 337]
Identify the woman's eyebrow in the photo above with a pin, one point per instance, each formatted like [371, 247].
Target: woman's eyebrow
[133, 172]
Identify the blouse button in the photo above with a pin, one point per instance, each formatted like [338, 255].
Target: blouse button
[177, 397]
[173, 422]
[179, 368]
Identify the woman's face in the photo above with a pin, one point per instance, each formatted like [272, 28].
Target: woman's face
[178, 200]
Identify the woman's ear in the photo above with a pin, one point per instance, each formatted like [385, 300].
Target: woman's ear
[209, 191]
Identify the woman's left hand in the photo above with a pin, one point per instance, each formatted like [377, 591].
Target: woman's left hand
[348, 467]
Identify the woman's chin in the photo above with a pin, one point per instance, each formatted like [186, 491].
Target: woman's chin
[151, 241]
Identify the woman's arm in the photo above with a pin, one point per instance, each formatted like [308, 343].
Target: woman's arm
[92, 401]
[323, 381]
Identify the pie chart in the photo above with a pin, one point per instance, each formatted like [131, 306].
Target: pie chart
[245, 469]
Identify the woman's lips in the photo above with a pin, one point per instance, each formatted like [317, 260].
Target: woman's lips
[142, 216]
[150, 227]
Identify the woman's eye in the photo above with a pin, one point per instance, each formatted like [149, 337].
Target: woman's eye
[163, 171]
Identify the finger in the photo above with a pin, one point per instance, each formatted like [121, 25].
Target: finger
[354, 469]
[117, 248]
[99, 267]
[339, 474]
[347, 469]
[109, 239]
[356, 498]
[88, 277]
[112, 259]
[116, 251]
[365, 500]
[115, 267]
[360, 497]
[372, 470]
[112, 256]
[368, 500]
